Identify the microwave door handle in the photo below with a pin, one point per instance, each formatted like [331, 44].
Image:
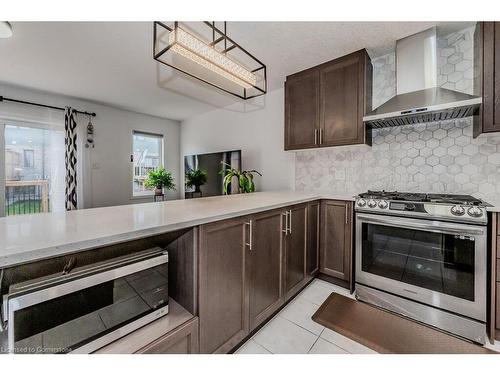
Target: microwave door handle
[433, 226]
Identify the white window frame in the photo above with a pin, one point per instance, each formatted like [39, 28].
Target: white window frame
[148, 193]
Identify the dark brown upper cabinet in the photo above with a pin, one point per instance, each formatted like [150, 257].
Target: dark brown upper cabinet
[487, 76]
[324, 105]
[302, 110]
[336, 240]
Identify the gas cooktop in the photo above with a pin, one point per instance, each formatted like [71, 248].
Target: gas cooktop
[422, 197]
[449, 207]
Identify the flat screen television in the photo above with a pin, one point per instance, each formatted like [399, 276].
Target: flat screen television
[212, 164]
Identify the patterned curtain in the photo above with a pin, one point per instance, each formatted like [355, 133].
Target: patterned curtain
[70, 157]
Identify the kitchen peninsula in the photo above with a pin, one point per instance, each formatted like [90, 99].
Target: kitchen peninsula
[244, 255]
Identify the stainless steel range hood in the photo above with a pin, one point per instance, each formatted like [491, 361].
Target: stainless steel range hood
[418, 99]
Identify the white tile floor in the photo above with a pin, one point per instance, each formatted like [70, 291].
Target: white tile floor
[293, 331]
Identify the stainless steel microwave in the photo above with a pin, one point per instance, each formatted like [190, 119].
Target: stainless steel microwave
[87, 308]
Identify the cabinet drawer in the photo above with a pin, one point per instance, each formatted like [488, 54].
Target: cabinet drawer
[183, 340]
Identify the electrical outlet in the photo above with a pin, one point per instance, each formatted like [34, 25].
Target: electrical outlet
[96, 166]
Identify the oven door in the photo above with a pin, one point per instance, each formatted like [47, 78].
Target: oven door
[438, 263]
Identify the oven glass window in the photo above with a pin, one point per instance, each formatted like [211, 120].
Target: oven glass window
[67, 322]
[440, 262]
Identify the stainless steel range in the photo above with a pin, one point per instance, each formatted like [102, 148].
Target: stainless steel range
[424, 256]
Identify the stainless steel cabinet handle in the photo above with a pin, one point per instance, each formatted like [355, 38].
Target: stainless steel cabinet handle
[346, 213]
[320, 136]
[249, 243]
[285, 214]
[315, 136]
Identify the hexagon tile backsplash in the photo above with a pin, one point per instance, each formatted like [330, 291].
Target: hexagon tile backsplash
[439, 157]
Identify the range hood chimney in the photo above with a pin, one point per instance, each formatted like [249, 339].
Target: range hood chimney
[418, 99]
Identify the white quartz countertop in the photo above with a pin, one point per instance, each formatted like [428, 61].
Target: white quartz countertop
[494, 208]
[27, 238]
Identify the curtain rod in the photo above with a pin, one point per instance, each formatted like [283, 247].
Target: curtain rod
[4, 99]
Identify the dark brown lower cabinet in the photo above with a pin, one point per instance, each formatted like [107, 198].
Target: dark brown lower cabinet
[265, 266]
[182, 340]
[336, 240]
[223, 309]
[493, 322]
[249, 267]
[295, 250]
[312, 257]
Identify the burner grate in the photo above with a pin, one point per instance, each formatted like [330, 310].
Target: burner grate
[422, 197]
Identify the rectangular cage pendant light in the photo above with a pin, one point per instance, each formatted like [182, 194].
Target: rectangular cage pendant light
[205, 52]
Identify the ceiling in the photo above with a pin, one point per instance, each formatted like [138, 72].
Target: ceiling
[111, 62]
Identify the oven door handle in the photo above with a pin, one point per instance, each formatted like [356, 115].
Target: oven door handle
[432, 226]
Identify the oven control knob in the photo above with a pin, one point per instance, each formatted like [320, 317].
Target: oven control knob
[361, 202]
[372, 203]
[383, 204]
[475, 211]
[457, 210]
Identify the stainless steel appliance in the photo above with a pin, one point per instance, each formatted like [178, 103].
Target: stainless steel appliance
[419, 98]
[424, 256]
[85, 308]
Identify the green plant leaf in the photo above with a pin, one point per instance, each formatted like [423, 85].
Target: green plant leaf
[196, 177]
[245, 178]
[251, 183]
[227, 182]
[160, 178]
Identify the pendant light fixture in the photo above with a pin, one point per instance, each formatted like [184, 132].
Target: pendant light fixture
[5, 29]
[205, 52]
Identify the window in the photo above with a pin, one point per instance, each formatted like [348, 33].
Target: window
[147, 156]
[29, 159]
[34, 168]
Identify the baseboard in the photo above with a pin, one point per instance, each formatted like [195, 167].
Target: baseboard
[334, 280]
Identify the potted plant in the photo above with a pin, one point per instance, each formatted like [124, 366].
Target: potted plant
[245, 178]
[160, 179]
[196, 178]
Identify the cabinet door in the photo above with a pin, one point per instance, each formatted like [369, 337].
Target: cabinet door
[182, 340]
[295, 261]
[312, 259]
[490, 32]
[264, 266]
[342, 99]
[336, 239]
[301, 110]
[223, 310]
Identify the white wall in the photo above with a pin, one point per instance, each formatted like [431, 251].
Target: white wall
[256, 128]
[107, 170]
